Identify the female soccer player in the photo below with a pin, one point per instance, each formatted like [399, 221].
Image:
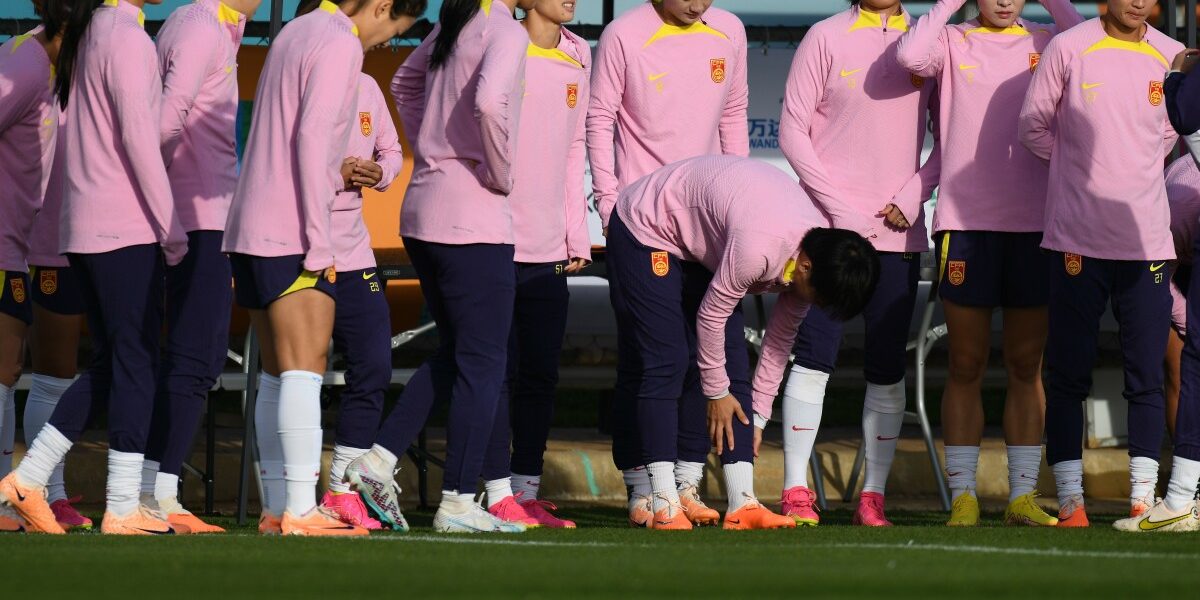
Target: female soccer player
[549, 211]
[739, 227]
[280, 238]
[669, 83]
[853, 126]
[988, 226]
[1098, 93]
[118, 225]
[197, 53]
[28, 127]
[459, 96]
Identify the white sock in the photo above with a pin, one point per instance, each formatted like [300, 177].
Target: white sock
[637, 482]
[381, 460]
[961, 464]
[270, 451]
[149, 476]
[124, 482]
[342, 457]
[1181, 490]
[739, 483]
[456, 503]
[166, 489]
[1024, 465]
[498, 490]
[883, 415]
[45, 453]
[1068, 479]
[44, 392]
[526, 485]
[8, 428]
[688, 474]
[803, 401]
[1143, 478]
[300, 437]
[662, 483]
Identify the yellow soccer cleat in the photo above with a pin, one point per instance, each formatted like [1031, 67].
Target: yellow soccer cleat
[964, 512]
[1024, 511]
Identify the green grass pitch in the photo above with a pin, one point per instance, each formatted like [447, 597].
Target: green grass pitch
[918, 559]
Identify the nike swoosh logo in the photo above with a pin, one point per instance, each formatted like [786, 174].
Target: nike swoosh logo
[967, 67]
[20, 496]
[657, 77]
[1153, 269]
[1148, 525]
[1088, 86]
[886, 439]
[156, 532]
[794, 428]
[1024, 476]
[846, 73]
[734, 521]
[954, 474]
[8, 453]
[662, 522]
[368, 275]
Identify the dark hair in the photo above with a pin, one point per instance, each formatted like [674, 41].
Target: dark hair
[845, 269]
[454, 17]
[78, 15]
[54, 15]
[400, 8]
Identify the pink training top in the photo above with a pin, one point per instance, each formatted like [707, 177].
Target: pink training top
[291, 169]
[1183, 195]
[116, 193]
[549, 205]
[742, 219]
[28, 128]
[197, 50]
[662, 93]
[464, 117]
[989, 181]
[373, 139]
[1095, 112]
[43, 238]
[854, 124]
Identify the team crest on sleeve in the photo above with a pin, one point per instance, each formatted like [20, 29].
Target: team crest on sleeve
[1073, 264]
[660, 263]
[48, 282]
[18, 289]
[1156, 93]
[364, 123]
[716, 68]
[917, 81]
[572, 95]
[956, 272]
[1034, 59]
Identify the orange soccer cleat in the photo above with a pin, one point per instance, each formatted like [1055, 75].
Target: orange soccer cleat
[319, 522]
[697, 512]
[142, 521]
[753, 515]
[30, 504]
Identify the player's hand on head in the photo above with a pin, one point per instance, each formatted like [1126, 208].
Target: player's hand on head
[721, 413]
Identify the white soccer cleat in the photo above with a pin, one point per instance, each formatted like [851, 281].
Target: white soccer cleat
[469, 517]
[1160, 518]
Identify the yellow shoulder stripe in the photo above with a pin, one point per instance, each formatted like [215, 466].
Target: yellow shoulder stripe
[332, 8]
[552, 54]
[17, 41]
[672, 30]
[870, 20]
[227, 15]
[486, 7]
[1111, 43]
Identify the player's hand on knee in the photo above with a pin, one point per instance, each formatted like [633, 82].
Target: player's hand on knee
[721, 413]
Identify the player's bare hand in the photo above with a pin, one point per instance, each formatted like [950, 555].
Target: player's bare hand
[721, 413]
[895, 217]
[757, 440]
[367, 173]
[347, 170]
[1184, 61]
[576, 265]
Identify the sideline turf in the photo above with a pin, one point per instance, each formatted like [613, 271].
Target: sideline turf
[919, 559]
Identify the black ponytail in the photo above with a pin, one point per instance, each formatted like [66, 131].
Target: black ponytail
[454, 17]
[78, 17]
[54, 15]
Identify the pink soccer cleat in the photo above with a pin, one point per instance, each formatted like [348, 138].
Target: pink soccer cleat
[540, 511]
[510, 511]
[870, 511]
[68, 518]
[351, 510]
[799, 504]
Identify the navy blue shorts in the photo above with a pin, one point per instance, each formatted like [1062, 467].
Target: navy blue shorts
[14, 296]
[57, 290]
[993, 268]
[261, 280]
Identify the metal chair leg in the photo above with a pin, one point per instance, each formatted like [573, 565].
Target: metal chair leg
[818, 478]
[924, 345]
[250, 366]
